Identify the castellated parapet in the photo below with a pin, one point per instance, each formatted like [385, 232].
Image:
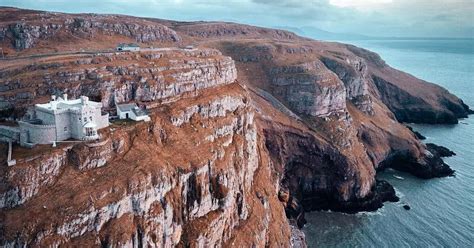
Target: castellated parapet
[63, 119]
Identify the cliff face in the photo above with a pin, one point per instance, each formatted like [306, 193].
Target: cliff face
[219, 30]
[145, 77]
[191, 177]
[352, 133]
[248, 131]
[198, 175]
[354, 73]
[409, 98]
[35, 27]
[309, 88]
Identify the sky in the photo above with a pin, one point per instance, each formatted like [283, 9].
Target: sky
[390, 18]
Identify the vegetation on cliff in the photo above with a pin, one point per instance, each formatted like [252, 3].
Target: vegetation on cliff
[249, 130]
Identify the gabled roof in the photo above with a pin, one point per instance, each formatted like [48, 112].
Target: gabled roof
[126, 106]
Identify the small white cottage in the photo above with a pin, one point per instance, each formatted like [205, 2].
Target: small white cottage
[132, 111]
[132, 47]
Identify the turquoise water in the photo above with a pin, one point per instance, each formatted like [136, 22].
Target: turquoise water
[442, 210]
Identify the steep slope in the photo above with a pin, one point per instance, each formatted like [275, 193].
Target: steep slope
[307, 127]
[350, 132]
[197, 175]
[409, 98]
[158, 75]
[24, 29]
[46, 32]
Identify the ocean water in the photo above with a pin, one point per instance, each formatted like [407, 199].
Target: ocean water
[442, 210]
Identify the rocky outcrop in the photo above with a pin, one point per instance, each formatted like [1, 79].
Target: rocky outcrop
[214, 109]
[88, 26]
[309, 88]
[178, 195]
[354, 73]
[409, 98]
[298, 239]
[25, 36]
[413, 109]
[29, 175]
[231, 30]
[251, 54]
[38, 27]
[307, 127]
[429, 166]
[94, 155]
[37, 171]
[354, 135]
[316, 175]
[368, 56]
[440, 150]
[111, 78]
[416, 133]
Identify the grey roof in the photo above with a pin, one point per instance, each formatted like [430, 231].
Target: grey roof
[139, 112]
[128, 45]
[126, 106]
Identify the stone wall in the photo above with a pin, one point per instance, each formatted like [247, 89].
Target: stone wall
[36, 134]
[9, 133]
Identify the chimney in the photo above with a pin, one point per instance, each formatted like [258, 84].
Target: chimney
[53, 98]
[84, 100]
[65, 97]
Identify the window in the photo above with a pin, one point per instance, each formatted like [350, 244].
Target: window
[90, 132]
[65, 129]
[90, 118]
[85, 119]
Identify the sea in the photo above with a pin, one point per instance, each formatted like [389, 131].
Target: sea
[442, 210]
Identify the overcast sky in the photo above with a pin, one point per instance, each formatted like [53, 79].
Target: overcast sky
[402, 18]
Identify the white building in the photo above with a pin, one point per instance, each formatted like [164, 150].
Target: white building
[132, 111]
[132, 47]
[63, 119]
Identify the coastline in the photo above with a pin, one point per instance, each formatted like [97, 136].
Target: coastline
[430, 200]
[322, 123]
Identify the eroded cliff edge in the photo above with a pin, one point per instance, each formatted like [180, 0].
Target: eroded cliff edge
[196, 175]
[279, 125]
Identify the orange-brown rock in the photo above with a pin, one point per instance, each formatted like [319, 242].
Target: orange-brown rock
[248, 131]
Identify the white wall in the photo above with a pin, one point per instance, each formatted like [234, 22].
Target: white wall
[46, 116]
[37, 134]
[122, 115]
[63, 120]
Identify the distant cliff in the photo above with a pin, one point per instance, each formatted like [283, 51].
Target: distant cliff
[249, 130]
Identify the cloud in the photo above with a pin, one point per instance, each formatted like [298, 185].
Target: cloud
[359, 3]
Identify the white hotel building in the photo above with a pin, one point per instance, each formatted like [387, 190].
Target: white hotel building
[63, 119]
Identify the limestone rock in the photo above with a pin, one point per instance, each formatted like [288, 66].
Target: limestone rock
[309, 88]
